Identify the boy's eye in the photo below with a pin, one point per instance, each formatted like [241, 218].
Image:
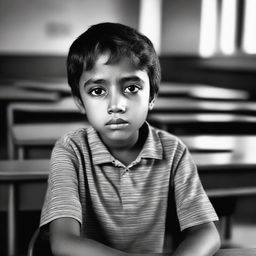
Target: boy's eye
[132, 89]
[97, 92]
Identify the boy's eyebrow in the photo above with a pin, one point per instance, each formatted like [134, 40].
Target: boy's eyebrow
[131, 78]
[92, 80]
[122, 80]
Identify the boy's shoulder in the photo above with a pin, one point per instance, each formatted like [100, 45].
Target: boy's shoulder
[166, 138]
[171, 148]
[77, 136]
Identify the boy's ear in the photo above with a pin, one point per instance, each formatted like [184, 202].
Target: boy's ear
[79, 104]
[151, 103]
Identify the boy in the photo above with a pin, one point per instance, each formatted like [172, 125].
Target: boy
[111, 185]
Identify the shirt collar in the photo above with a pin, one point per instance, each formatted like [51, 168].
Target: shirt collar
[100, 154]
[153, 147]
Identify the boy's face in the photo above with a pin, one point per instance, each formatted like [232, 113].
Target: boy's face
[115, 98]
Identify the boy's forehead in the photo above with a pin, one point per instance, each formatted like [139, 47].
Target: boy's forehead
[122, 62]
[120, 69]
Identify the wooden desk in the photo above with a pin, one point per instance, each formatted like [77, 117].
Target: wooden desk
[237, 252]
[201, 91]
[224, 252]
[243, 123]
[44, 134]
[40, 85]
[63, 106]
[227, 168]
[66, 104]
[13, 173]
[11, 93]
[220, 157]
[178, 105]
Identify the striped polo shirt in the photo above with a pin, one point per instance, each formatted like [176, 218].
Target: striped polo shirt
[125, 207]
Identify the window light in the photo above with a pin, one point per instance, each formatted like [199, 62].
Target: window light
[150, 19]
[207, 44]
[228, 26]
[249, 36]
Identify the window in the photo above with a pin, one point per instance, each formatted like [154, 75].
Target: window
[227, 27]
[150, 21]
[208, 32]
[249, 35]
[228, 17]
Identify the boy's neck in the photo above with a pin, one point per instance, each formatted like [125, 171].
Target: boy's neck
[125, 156]
[129, 152]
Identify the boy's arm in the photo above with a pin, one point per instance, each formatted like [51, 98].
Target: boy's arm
[65, 240]
[201, 240]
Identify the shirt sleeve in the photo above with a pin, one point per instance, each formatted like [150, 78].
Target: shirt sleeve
[193, 205]
[62, 196]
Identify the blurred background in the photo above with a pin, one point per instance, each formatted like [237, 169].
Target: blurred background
[207, 51]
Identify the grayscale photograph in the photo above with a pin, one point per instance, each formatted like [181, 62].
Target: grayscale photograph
[127, 127]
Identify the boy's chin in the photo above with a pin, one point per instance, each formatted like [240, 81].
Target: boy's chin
[119, 138]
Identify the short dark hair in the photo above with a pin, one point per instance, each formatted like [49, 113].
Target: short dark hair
[119, 40]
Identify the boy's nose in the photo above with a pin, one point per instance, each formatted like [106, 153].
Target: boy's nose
[117, 104]
[116, 109]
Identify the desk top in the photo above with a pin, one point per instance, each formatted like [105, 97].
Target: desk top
[24, 170]
[227, 149]
[221, 153]
[192, 105]
[223, 252]
[201, 91]
[237, 252]
[11, 93]
[53, 86]
[66, 104]
[43, 133]
[183, 118]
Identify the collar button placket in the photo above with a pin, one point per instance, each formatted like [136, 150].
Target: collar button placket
[124, 171]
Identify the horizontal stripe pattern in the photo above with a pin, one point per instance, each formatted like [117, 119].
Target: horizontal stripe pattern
[125, 207]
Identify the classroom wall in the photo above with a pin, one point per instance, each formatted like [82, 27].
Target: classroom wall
[180, 27]
[49, 26]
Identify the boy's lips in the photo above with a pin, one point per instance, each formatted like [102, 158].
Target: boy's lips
[116, 121]
[116, 124]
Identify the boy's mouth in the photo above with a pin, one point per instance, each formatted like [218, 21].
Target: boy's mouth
[116, 123]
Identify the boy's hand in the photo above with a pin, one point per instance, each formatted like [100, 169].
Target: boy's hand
[201, 240]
